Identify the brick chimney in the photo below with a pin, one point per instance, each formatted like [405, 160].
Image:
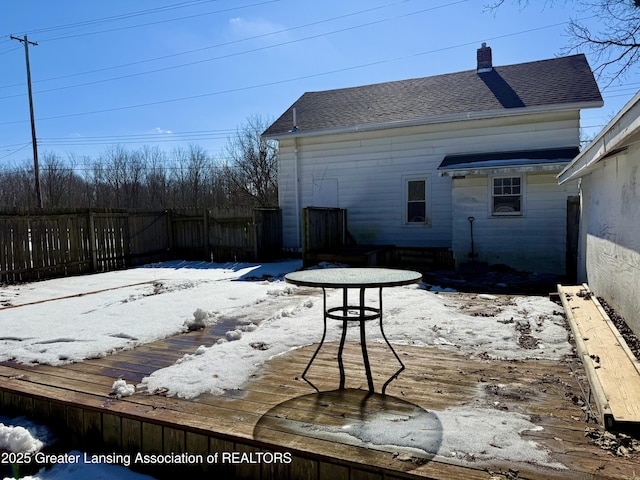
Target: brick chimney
[485, 63]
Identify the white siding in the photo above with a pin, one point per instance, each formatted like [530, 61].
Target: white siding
[371, 168]
[371, 188]
[611, 232]
[535, 241]
[287, 195]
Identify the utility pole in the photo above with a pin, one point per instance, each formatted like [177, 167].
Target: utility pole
[36, 169]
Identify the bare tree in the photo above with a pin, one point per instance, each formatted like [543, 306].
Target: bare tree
[156, 181]
[111, 166]
[96, 177]
[16, 186]
[52, 180]
[179, 178]
[61, 185]
[132, 187]
[614, 40]
[251, 163]
[150, 178]
[83, 187]
[198, 169]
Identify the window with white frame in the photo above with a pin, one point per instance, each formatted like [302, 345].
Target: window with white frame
[507, 195]
[416, 210]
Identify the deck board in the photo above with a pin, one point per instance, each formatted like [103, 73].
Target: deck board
[273, 411]
[613, 371]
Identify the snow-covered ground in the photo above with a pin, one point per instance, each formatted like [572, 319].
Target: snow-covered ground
[71, 319]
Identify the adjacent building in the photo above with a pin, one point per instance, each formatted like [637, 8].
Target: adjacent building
[609, 242]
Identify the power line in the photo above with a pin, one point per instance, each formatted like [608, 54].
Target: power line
[167, 163]
[197, 62]
[140, 138]
[119, 17]
[109, 19]
[15, 151]
[7, 147]
[289, 80]
[144, 135]
[9, 51]
[225, 44]
[59, 141]
[197, 15]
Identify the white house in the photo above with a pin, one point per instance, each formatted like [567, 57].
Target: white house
[412, 160]
[609, 247]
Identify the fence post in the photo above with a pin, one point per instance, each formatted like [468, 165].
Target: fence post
[92, 242]
[255, 238]
[169, 229]
[128, 256]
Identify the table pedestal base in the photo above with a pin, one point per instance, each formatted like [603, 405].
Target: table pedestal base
[354, 313]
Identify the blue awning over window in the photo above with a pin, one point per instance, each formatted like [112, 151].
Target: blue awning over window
[508, 159]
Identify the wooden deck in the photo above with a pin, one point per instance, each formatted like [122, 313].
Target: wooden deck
[278, 415]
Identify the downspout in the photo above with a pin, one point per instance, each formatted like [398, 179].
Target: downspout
[582, 273]
[297, 180]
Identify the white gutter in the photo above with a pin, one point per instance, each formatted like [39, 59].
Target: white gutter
[614, 136]
[500, 170]
[448, 118]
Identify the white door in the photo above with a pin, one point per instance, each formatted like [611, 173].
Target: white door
[325, 192]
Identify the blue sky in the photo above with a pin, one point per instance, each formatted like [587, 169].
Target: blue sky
[170, 73]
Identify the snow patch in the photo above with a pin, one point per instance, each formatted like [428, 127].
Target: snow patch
[198, 321]
[121, 389]
[18, 439]
[232, 335]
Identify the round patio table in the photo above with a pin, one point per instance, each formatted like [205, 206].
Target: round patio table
[353, 278]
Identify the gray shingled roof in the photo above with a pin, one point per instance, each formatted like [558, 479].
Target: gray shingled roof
[558, 81]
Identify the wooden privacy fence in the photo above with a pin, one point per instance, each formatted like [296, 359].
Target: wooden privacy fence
[59, 243]
[226, 234]
[323, 228]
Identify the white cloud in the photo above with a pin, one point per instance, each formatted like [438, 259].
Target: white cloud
[161, 131]
[253, 27]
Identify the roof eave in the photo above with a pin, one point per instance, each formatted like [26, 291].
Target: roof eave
[436, 119]
[612, 137]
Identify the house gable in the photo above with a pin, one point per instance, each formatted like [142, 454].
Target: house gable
[559, 83]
